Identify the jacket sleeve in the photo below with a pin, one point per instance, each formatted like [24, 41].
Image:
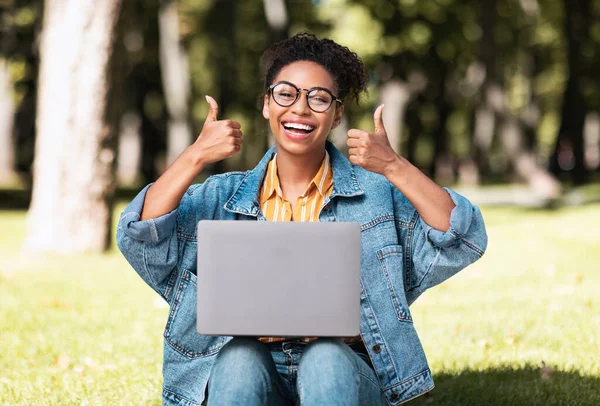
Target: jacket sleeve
[151, 246]
[436, 255]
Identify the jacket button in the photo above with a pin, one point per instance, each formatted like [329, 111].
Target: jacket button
[376, 348]
[394, 396]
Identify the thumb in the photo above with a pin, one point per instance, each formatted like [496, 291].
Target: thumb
[377, 117]
[213, 110]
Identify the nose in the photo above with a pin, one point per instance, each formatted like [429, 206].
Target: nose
[301, 105]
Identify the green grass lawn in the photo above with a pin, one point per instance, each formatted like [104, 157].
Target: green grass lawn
[86, 330]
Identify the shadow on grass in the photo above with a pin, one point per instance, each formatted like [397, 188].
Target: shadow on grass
[14, 199]
[505, 386]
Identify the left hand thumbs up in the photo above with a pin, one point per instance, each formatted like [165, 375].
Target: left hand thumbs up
[378, 119]
[372, 150]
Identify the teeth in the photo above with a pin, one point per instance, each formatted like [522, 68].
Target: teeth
[299, 126]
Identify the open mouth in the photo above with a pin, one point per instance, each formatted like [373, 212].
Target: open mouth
[297, 129]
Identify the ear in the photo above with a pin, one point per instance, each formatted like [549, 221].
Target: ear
[265, 109]
[337, 118]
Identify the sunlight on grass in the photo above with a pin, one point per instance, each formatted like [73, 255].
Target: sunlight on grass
[532, 300]
[87, 330]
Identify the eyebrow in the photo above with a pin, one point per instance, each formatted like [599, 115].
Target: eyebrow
[311, 88]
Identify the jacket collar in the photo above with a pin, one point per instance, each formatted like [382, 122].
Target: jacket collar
[245, 199]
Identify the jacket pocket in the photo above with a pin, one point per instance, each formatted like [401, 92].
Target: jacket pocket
[180, 332]
[391, 261]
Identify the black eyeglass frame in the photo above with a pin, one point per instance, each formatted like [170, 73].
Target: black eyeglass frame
[334, 98]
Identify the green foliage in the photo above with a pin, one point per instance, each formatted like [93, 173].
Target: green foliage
[441, 40]
[518, 327]
[353, 26]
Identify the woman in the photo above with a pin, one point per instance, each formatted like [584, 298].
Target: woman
[414, 235]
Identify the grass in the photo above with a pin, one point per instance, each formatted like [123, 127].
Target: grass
[531, 301]
[86, 330]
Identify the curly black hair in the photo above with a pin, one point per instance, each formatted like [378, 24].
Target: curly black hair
[344, 65]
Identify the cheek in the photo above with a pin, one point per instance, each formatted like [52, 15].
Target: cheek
[274, 124]
[328, 122]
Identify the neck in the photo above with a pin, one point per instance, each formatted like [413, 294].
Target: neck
[296, 172]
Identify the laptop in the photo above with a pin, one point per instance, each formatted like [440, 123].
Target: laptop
[283, 279]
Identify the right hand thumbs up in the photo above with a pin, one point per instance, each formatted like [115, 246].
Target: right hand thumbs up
[213, 110]
[219, 139]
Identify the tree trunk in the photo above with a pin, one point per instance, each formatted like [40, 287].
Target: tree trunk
[276, 16]
[130, 151]
[483, 134]
[442, 168]
[591, 136]
[176, 81]
[524, 161]
[395, 94]
[569, 141]
[218, 24]
[415, 130]
[7, 114]
[485, 122]
[74, 157]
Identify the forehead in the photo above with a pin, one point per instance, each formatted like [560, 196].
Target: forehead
[306, 74]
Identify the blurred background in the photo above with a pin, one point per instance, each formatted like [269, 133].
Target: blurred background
[499, 99]
[492, 92]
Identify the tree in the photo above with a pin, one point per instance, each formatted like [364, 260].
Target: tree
[493, 113]
[19, 32]
[175, 79]
[74, 154]
[7, 111]
[569, 141]
[277, 18]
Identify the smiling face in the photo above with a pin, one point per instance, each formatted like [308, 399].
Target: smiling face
[297, 129]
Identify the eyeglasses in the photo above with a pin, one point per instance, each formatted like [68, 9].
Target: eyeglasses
[319, 99]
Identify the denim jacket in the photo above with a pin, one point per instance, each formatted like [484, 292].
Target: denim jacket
[402, 256]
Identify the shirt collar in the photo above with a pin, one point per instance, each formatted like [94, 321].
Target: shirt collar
[322, 180]
[271, 181]
[324, 177]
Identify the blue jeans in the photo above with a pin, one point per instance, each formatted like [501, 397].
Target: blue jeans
[323, 372]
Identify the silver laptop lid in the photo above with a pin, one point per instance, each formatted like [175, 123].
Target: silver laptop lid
[287, 279]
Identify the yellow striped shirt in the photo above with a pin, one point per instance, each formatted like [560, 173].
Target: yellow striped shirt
[276, 207]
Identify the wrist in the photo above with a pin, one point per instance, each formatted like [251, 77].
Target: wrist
[397, 168]
[194, 159]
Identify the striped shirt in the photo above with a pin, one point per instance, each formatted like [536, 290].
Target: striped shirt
[276, 207]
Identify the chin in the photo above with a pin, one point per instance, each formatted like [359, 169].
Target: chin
[297, 148]
[293, 148]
